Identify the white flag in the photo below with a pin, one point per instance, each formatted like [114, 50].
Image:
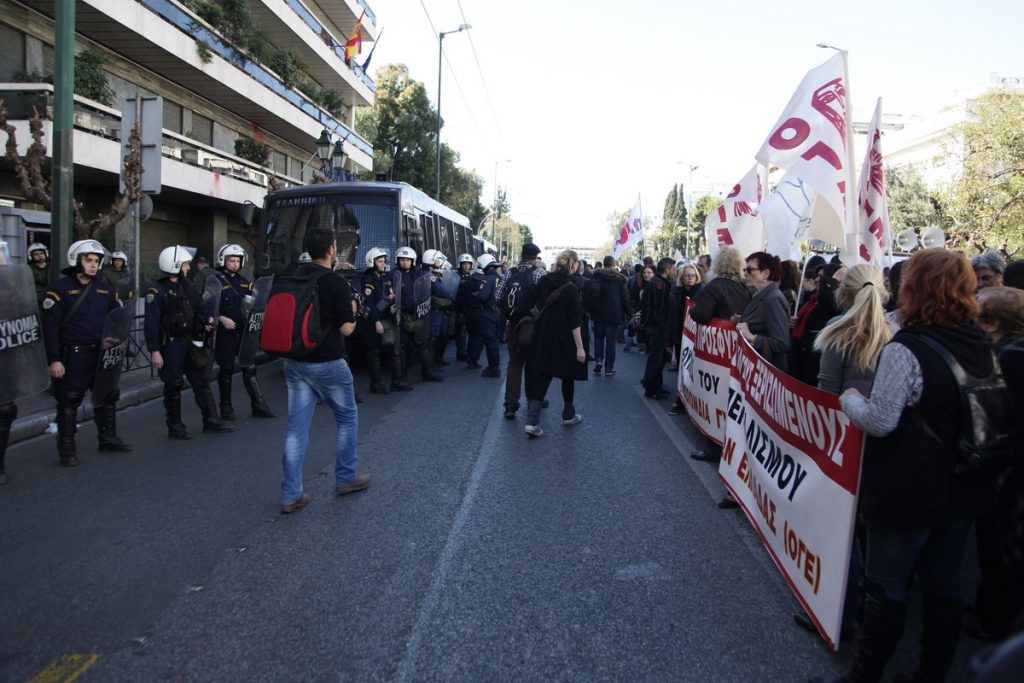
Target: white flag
[631, 232]
[735, 221]
[812, 139]
[786, 216]
[875, 236]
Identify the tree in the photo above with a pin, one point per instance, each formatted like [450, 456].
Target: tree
[402, 127]
[35, 184]
[911, 205]
[984, 206]
[701, 208]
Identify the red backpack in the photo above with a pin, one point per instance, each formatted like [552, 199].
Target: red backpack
[291, 322]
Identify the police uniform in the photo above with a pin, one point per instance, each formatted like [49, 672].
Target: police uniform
[442, 318]
[120, 280]
[41, 278]
[461, 333]
[482, 316]
[73, 317]
[173, 321]
[378, 296]
[411, 341]
[235, 289]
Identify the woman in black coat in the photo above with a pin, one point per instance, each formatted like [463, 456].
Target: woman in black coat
[765, 321]
[556, 348]
[810, 320]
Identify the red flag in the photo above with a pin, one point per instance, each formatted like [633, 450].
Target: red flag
[354, 44]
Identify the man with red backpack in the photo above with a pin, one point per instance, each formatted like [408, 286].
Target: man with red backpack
[315, 367]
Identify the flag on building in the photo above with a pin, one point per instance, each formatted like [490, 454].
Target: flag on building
[813, 141]
[735, 221]
[631, 232]
[875, 238]
[354, 44]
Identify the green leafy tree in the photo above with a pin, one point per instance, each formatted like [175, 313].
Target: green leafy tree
[984, 207]
[911, 205]
[701, 208]
[402, 127]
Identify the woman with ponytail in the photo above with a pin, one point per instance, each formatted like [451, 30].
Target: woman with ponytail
[850, 344]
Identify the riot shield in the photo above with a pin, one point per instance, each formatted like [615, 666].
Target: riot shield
[396, 286]
[255, 305]
[116, 330]
[22, 355]
[421, 288]
[450, 283]
[209, 311]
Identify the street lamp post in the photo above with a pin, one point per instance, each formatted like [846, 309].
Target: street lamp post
[494, 205]
[440, 55]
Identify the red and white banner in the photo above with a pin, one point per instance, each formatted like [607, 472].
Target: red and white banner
[735, 221]
[792, 459]
[631, 232]
[705, 358]
[813, 139]
[875, 237]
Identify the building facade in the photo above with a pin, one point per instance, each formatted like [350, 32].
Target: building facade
[239, 80]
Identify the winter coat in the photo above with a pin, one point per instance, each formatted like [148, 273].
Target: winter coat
[608, 289]
[552, 348]
[677, 313]
[767, 315]
[721, 298]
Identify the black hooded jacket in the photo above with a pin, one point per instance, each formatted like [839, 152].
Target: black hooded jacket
[607, 297]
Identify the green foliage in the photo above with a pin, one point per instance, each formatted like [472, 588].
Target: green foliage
[204, 51]
[984, 207]
[30, 77]
[701, 208]
[911, 205]
[91, 79]
[401, 126]
[252, 150]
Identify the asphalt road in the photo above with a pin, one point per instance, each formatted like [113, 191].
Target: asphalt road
[596, 552]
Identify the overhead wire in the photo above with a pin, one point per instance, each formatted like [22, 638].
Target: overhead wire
[483, 79]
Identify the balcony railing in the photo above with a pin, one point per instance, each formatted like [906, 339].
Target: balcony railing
[92, 117]
[321, 31]
[193, 26]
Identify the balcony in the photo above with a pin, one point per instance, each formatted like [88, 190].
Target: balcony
[189, 169]
[161, 36]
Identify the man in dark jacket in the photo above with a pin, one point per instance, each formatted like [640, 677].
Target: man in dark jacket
[655, 305]
[606, 299]
[512, 297]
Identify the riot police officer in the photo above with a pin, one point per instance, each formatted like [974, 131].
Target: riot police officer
[74, 311]
[118, 276]
[443, 286]
[465, 266]
[236, 289]
[39, 260]
[379, 323]
[482, 315]
[175, 326]
[414, 300]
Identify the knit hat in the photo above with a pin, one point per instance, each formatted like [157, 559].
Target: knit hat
[530, 250]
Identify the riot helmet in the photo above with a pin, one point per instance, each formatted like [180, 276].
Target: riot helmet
[230, 250]
[374, 254]
[465, 258]
[485, 261]
[406, 253]
[172, 258]
[120, 255]
[82, 247]
[434, 258]
[39, 246]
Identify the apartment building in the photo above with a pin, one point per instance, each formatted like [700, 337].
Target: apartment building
[276, 77]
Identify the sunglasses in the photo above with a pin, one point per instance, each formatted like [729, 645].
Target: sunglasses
[748, 270]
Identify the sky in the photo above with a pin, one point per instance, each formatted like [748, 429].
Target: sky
[579, 108]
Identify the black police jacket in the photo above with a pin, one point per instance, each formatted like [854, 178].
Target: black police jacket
[85, 326]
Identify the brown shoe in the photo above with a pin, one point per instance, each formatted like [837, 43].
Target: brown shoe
[357, 484]
[301, 502]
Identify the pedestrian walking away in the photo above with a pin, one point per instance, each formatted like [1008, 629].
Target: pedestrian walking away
[512, 297]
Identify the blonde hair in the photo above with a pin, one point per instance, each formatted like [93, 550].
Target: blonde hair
[682, 271]
[863, 330]
[728, 264]
[567, 262]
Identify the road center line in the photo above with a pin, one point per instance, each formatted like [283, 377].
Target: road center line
[65, 669]
[495, 424]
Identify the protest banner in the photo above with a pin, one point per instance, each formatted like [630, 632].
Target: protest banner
[705, 357]
[791, 458]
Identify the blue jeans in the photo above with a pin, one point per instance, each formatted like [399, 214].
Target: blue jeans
[332, 382]
[604, 342]
[936, 554]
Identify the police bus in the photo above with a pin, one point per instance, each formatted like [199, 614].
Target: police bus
[363, 215]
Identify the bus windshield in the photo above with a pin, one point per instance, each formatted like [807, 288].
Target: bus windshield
[361, 221]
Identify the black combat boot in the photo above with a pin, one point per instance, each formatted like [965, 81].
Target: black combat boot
[252, 385]
[376, 379]
[211, 423]
[398, 380]
[105, 416]
[227, 411]
[426, 367]
[67, 418]
[172, 407]
[8, 413]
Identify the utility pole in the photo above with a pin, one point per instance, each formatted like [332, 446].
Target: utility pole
[63, 181]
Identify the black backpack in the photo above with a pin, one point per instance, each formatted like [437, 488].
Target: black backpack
[291, 322]
[986, 430]
[513, 297]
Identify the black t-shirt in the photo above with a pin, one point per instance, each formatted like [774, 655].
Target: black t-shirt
[336, 298]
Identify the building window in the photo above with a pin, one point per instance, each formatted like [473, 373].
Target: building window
[202, 129]
[12, 52]
[172, 116]
[279, 163]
